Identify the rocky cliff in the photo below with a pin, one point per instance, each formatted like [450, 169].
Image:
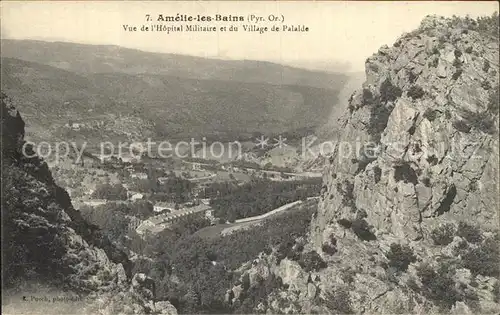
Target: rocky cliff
[418, 160]
[408, 217]
[46, 243]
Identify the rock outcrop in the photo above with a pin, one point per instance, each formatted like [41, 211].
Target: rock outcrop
[418, 155]
[408, 220]
[46, 241]
[428, 108]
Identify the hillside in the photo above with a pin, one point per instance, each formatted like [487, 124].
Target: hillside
[142, 105]
[86, 59]
[47, 247]
[409, 223]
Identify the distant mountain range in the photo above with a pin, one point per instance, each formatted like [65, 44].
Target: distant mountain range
[114, 92]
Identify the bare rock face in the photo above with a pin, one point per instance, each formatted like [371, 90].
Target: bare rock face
[46, 241]
[435, 135]
[417, 160]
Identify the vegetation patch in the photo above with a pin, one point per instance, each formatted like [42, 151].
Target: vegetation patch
[416, 92]
[331, 247]
[430, 114]
[312, 261]
[443, 235]
[377, 173]
[412, 77]
[347, 191]
[483, 259]
[368, 97]
[486, 65]
[362, 230]
[404, 172]
[470, 233]
[379, 117]
[338, 301]
[484, 122]
[457, 74]
[389, 92]
[439, 286]
[345, 223]
[380, 111]
[110, 192]
[257, 197]
[493, 101]
[400, 256]
[462, 126]
[432, 159]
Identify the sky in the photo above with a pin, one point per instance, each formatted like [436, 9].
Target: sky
[339, 32]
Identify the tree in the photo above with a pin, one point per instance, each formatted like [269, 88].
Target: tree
[110, 192]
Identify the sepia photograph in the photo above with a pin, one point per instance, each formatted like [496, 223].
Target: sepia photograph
[250, 157]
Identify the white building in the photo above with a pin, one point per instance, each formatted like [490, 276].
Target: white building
[139, 175]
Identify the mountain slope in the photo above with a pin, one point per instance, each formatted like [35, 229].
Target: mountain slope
[408, 215]
[146, 105]
[46, 242]
[83, 58]
[421, 211]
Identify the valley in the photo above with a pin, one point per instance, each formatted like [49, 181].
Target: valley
[255, 207]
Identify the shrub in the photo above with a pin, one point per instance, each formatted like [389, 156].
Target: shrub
[468, 50]
[484, 259]
[457, 74]
[493, 102]
[430, 114]
[361, 214]
[389, 92]
[461, 126]
[347, 192]
[245, 282]
[362, 230]
[416, 92]
[443, 235]
[486, 84]
[400, 256]
[312, 261]
[338, 301]
[469, 232]
[432, 159]
[496, 291]
[486, 65]
[434, 62]
[379, 117]
[457, 63]
[457, 53]
[489, 25]
[110, 192]
[412, 77]
[405, 173]
[329, 249]
[377, 171]
[368, 97]
[439, 286]
[483, 122]
[345, 223]
[348, 275]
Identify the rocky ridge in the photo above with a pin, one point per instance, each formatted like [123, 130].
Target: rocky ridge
[426, 125]
[408, 217]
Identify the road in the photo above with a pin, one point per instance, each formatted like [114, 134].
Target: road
[303, 174]
[273, 212]
[225, 229]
